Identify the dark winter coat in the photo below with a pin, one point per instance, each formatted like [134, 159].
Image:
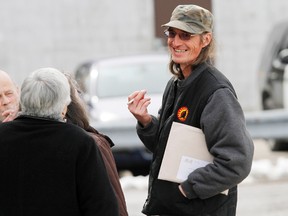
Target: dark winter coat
[52, 168]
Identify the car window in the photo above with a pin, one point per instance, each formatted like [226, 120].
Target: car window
[116, 81]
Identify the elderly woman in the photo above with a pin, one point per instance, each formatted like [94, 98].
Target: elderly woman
[49, 167]
[201, 98]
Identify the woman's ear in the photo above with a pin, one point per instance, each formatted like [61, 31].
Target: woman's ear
[64, 112]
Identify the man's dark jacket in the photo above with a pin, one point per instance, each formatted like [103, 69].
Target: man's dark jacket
[50, 168]
[211, 105]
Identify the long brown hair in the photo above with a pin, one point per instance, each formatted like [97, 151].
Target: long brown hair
[76, 111]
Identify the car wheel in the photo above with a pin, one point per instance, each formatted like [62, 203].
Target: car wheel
[278, 145]
[144, 171]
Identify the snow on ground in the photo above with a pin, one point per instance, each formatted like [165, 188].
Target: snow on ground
[263, 169]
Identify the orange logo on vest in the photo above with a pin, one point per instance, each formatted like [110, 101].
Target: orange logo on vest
[182, 113]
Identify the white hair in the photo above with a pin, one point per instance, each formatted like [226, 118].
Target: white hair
[45, 93]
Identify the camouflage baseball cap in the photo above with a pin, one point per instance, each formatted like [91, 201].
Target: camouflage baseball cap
[191, 18]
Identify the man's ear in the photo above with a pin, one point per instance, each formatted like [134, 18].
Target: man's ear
[207, 39]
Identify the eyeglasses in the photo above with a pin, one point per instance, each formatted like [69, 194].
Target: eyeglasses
[185, 36]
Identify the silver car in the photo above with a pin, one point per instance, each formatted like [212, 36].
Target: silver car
[106, 84]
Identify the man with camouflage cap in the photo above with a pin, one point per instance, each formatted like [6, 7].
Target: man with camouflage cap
[199, 98]
[191, 18]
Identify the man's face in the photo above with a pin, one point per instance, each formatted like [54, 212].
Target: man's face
[9, 95]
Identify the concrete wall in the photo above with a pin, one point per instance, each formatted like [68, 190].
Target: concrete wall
[241, 32]
[64, 33]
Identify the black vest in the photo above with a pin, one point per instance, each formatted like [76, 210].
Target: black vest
[184, 104]
[192, 96]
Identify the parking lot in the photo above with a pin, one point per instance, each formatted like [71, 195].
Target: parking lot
[263, 193]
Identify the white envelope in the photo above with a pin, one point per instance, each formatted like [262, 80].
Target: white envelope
[186, 151]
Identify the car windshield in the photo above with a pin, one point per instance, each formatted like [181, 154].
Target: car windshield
[122, 80]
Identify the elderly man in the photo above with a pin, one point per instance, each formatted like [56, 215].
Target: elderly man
[49, 167]
[9, 98]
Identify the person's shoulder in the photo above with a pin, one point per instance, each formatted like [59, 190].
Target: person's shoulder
[217, 76]
[214, 72]
[75, 129]
[100, 140]
[75, 132]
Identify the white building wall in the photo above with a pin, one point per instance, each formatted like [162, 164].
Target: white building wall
[64, 33]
